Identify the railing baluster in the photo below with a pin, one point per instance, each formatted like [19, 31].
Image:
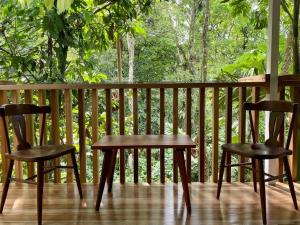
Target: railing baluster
[281, 138]
[228, 129]
[122, 131]
[215, 133]
[42, 101]
[69, 130]
[3, 100]
[162, 131]
[82, 135]
[255, 114]
[55, 129]
[202, 135]
[95, 135]
[175, 131]
[242, 129]
[189, 131]
[148, 131]
[135, 131]
[18, 164]
[29, 129]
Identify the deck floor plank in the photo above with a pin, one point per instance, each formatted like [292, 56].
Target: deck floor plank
[155, 204]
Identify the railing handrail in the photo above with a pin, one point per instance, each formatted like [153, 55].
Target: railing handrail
[127, 85]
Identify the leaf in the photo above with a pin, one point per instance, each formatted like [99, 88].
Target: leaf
[49, 4]
[23, 2]
[63, 5]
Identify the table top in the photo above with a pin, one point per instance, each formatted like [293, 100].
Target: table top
[144, 141]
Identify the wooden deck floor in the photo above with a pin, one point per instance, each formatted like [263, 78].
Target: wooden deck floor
[150, 204]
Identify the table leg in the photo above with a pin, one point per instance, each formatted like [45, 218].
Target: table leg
[182, 170]
[110, 176]
[105, 167]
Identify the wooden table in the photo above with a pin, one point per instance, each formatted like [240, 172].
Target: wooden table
[110, 144]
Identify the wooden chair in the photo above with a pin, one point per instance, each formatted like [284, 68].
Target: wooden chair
[25, 152]
[271, 149]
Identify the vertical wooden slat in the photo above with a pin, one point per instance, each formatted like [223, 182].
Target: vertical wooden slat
[175, 131]
[3, 100]
[42, 101]
[215, 138]
[162, 131]
[255, 114]
[82, 135]
[54, 103]
[189, 131]
[122, 131]
[202, 135]
[69, 130]
[95, 135]
[135, 131]
[242, 129]
[18, 164]
[281, 138]
[228, 129]
[29, 129]
[108, 111]
[148, 131]
[295, 163]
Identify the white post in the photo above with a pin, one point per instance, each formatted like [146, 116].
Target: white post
[272, 65]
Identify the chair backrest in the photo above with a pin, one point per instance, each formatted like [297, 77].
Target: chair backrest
[277, 110]
[16, 114]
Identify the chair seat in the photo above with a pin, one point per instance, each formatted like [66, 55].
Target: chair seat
[40, 153]
[258, 151]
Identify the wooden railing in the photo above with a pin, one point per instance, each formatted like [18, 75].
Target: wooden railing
[83, 103]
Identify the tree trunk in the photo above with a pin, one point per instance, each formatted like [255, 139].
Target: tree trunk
[205, 40]
[288, 54]
[119, 58]
[130, 44]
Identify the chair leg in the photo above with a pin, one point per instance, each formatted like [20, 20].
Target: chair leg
[179, 154]
[290, 181]
[105, 167]
[6, 184]
[221, 173]
[75, 167]
[254, 174]
[40, 186]
[262, 189]
[110, 177]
